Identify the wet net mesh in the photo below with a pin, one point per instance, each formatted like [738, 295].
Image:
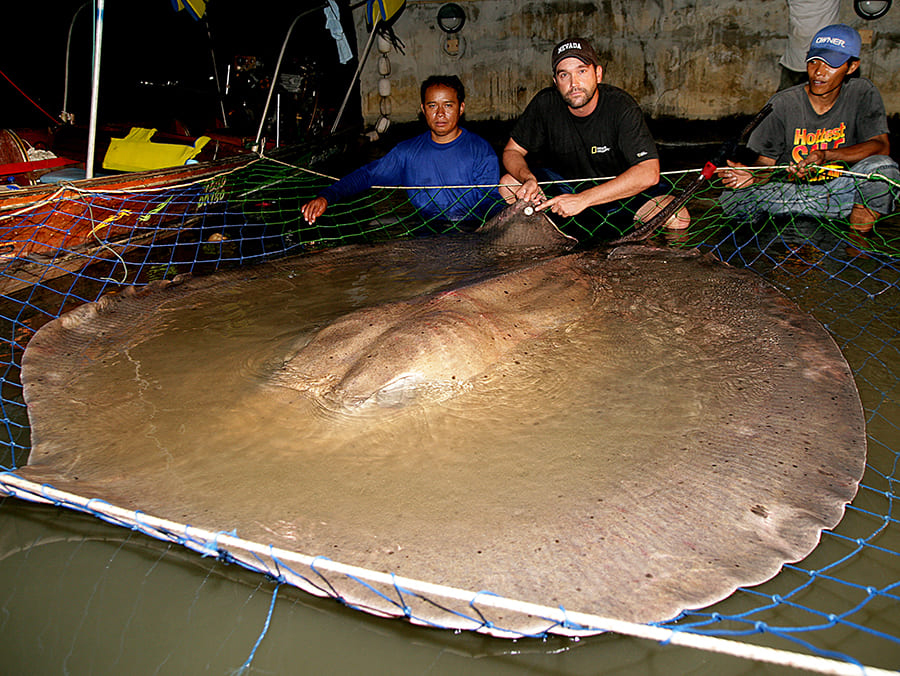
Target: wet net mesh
[839, 604]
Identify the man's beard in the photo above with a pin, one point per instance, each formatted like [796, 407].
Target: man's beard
[574, 103]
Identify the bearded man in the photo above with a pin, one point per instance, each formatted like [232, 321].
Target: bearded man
[580, 128]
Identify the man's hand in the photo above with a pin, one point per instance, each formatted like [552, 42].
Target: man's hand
[736, 176]
[569, 204]
[803, 167]
[530, 191]
[519, 182]
[313, 209]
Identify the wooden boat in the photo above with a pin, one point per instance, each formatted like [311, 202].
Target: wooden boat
[51, 227]
[73, 221]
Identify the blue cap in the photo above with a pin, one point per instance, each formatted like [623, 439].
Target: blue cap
[835, 45]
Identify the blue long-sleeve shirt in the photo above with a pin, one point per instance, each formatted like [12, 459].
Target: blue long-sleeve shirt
[425, 167]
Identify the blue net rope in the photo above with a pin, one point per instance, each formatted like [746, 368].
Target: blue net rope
[840, 603]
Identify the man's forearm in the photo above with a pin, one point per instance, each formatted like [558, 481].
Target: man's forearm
[516, 166]
[632, 181]
[878, 145]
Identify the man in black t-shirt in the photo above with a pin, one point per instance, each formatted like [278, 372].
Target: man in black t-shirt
[582, 129]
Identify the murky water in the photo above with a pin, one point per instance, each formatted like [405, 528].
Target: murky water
[81, 597]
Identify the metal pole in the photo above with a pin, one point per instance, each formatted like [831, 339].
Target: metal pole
[66, 116]
[262, 121]
[278, 121]
[215, 69]
[95, 88]
[359, 68]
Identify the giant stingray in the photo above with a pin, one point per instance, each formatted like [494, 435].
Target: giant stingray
[625, 433]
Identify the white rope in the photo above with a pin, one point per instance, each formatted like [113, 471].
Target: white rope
[16, 486]
[598, 179]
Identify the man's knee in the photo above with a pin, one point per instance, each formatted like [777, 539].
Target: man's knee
[877, 164]
[880, 194]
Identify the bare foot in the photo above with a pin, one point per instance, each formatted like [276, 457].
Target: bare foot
[862, 219]
[858, 242]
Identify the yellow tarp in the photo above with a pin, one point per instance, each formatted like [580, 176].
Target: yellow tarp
[136, 152]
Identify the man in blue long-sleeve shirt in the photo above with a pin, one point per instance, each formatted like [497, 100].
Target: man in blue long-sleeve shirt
[445, 155]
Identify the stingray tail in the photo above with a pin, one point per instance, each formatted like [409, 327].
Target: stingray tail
[726, 150]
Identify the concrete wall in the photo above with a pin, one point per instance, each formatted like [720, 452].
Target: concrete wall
[691, 59]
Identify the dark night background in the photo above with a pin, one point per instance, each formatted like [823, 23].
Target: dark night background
[157, 64]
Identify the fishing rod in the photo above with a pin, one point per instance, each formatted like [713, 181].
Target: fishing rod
[726, 150]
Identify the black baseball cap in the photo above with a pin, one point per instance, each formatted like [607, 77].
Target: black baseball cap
[578, 48]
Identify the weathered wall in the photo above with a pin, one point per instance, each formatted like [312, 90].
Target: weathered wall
[692, 59]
